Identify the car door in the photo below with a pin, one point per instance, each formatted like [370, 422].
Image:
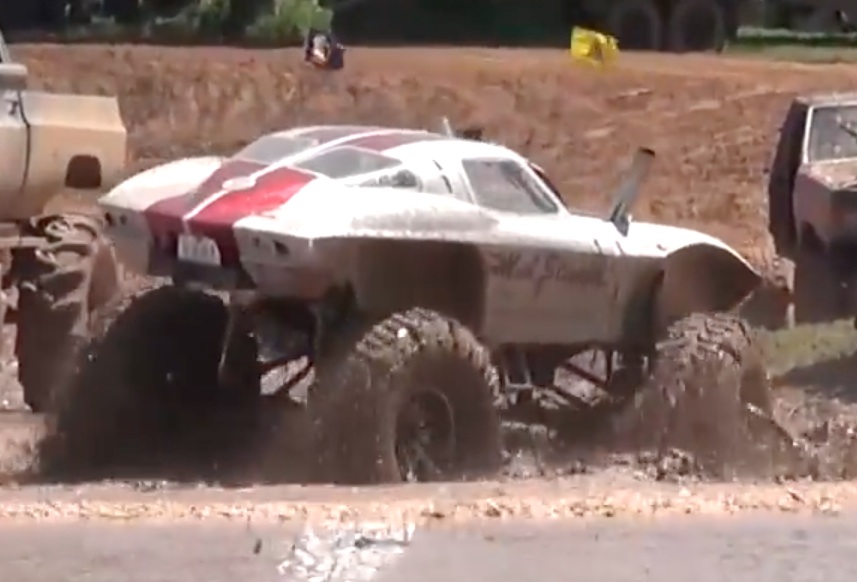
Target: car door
[784, 167]
[548, 269]
[13, 135]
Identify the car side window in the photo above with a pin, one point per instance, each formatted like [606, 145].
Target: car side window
[402, 178]
[506, 186]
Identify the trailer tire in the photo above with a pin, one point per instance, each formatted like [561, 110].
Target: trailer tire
[698, 25]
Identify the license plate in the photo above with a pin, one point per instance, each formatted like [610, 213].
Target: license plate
[198, 249]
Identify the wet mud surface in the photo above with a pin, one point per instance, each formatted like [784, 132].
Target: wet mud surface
[810, 437]
[761, 549]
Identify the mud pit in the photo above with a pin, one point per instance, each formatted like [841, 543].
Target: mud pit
[713, 122]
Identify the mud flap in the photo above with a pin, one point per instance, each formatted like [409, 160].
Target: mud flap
[772, 305]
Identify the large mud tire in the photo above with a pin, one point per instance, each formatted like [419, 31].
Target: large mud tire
[148, 372]
[364, 390]
[821, 292]
[708, 384]
[60, 285]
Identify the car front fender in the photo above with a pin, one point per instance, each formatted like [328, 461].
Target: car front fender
[703, 277]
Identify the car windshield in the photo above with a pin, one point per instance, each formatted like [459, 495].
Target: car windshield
[344, 162]
[832, 133]
[506, 186]
[272, 148]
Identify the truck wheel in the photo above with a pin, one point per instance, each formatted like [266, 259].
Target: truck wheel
[59, 285]
[149, 370]
[636, 24]
[821, 293]
[698, 25]
[707, 384]
[412, 398]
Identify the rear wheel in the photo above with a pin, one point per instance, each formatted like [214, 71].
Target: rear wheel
[821, 290]
[411, 398]
[60, 284]
[149, 372]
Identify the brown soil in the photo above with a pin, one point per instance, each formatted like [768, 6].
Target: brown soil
[713, 121]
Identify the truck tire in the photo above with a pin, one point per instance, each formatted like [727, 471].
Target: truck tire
[636, 24]
[707, 384]
[149, 370]
[416, 378]
[698, 25]
[59, 286]
[821, 292]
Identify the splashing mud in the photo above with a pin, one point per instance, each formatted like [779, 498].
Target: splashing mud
[810, 435]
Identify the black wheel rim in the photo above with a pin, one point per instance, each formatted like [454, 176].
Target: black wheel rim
[425, 438]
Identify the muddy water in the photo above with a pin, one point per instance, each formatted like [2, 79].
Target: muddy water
[758, 549]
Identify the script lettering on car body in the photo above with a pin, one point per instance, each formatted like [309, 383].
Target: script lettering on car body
[542, 268]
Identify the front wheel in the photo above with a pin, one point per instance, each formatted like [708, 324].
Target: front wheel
[412, 398]
[707, 386]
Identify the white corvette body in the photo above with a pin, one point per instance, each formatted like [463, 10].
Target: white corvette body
[301, 211]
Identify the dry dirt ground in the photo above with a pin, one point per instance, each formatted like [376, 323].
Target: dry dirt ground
[712, 120]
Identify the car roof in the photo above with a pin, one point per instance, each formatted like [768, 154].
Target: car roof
[400, 143]
[828, 99]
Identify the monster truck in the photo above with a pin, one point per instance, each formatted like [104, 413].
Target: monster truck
[430, 282]
[56, 262]
[812, 197]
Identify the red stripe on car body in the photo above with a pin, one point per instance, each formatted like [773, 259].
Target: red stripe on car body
[328, 134]
[228, 170]
[379, 142]
[165, 218]
[217, 219]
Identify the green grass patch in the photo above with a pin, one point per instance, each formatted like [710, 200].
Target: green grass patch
[750, 37]
[808, 345]
[791, 46]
